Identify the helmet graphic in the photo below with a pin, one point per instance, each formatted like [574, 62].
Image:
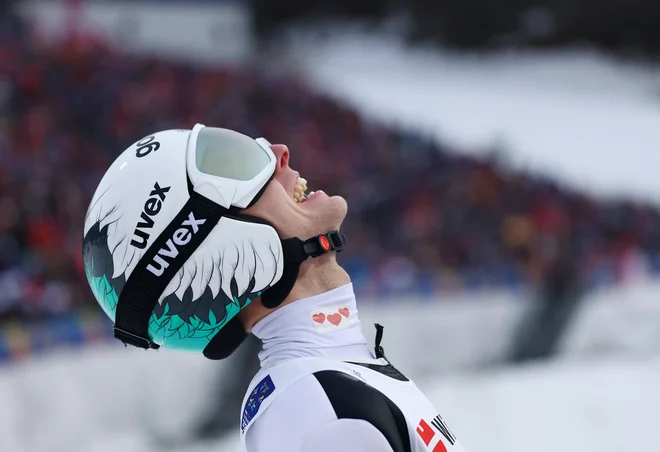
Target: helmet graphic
[168, 254]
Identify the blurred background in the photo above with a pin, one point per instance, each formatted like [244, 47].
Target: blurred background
[500, 160]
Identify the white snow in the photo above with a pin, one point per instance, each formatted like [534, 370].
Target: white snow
[578, 116]
[576, 407]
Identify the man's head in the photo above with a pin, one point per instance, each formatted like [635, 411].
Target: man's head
[196, 226]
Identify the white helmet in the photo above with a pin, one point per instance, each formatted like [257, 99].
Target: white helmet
[168, 253]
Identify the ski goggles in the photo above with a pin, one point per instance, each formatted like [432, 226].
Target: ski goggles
[227, 167]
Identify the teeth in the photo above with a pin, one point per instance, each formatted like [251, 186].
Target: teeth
[299, 190]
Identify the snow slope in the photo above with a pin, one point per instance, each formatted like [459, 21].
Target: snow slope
[578, 116]
[585, 407]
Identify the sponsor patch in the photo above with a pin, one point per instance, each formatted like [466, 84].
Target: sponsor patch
[260, 393]
[332, 319]
[429, 437]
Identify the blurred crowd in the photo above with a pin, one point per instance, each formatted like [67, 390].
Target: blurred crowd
[423, 217]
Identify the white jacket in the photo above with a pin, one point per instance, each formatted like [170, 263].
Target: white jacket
[320, 389]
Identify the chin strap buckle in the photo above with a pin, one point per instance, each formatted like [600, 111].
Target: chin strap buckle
[325, 243]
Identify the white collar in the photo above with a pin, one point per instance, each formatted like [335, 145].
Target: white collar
[322, 325]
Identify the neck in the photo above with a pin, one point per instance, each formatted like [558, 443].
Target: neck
[317, 276]
[324, 325]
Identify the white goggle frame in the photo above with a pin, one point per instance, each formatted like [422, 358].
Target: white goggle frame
[221, 190]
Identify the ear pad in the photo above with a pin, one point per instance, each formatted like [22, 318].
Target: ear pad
[275, 295]
[226, 341]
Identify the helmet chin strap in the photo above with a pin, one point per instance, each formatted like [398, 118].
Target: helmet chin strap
[297, 251]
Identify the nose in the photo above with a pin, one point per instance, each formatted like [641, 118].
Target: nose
[281, 156]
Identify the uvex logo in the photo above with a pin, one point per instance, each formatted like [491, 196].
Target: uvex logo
[181, 237]
[151, 208]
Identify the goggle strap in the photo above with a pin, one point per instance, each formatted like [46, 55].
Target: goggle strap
[155, 270]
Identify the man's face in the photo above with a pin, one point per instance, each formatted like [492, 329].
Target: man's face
[317, 214]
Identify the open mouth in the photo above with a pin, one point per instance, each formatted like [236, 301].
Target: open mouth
[299, 195]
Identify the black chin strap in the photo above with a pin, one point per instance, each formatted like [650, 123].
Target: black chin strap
[296, 252]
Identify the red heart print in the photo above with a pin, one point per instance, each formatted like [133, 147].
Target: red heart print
[319, 318]
[345, 312]
[335, 319]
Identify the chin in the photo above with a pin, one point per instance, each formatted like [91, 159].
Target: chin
[337, 208]
[325, 215]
